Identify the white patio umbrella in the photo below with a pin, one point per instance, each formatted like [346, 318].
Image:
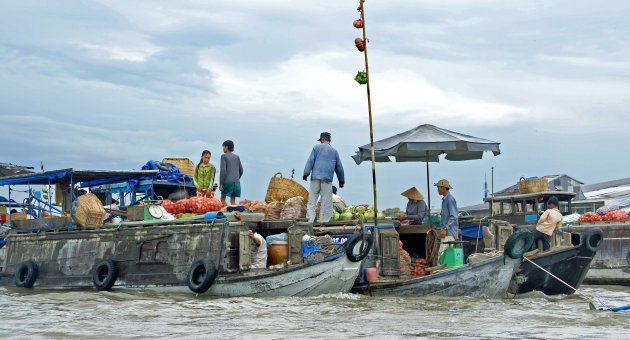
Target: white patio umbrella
[426, 143]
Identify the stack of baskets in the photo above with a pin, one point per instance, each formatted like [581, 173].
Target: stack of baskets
[281, 189]
[185, 165]
[88, 211]
[532, 185]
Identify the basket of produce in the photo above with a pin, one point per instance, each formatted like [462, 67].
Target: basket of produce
[281, 189]
[88, 211]
[532, 185]
[184, 165]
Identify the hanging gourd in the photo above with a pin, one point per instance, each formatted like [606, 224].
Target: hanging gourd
[361, 78]
[360, 44]
[358, 23]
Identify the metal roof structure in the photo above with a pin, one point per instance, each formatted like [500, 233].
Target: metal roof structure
[85, 177]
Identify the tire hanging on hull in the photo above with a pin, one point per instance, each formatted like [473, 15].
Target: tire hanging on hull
[26, 274]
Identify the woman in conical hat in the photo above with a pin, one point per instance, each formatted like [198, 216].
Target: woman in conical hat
[416, 207]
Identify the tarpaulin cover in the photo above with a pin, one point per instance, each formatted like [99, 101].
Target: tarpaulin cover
[472, 231]
[84, 177]
[168, 172]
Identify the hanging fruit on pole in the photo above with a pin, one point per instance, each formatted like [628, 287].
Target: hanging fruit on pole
[360, 44]
[358, 23]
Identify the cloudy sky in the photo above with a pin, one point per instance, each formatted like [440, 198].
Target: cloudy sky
[111, 84]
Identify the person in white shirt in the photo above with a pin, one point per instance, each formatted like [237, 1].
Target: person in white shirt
[549, 222]
[338, 202]
[259, 251]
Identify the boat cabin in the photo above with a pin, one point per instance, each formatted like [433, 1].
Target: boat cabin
[525, 209]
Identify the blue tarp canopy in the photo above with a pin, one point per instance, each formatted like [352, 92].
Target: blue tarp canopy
[472, 231]
[84, 177]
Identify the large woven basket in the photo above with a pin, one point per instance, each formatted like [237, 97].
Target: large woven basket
[281, 189]
[88, 211]
[532, 185]
[185, 165]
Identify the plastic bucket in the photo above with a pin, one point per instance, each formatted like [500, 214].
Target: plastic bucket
[371, 275]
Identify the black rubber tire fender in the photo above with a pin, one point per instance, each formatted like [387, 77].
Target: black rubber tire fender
[26, 274]
[201, 276]
[365, 247]
[593, 239]
[518, 244]
[105, 275]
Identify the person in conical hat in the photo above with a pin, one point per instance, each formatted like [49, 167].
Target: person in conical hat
[416, 207]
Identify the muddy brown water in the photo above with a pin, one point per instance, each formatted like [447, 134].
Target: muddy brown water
[31, 314]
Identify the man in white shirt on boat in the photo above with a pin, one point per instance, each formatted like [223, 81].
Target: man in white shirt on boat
[259, 251]
[549, 222]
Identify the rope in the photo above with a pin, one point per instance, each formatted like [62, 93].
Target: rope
[430, 246]
[326, 244]
[599, 300]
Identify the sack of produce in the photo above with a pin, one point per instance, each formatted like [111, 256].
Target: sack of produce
[615, 215]
[607, 208]
[274, 209]
[590, 217]
[257, 207]
[570, 219]
[294, 208]
[245, 204]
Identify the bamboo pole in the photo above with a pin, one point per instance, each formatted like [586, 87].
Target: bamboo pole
[369, 100]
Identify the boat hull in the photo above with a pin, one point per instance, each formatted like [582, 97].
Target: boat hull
[488, 278]
[568, 264]
[334, 275]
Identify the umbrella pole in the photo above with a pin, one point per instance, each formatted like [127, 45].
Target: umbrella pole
[428, 191]
[369, 100]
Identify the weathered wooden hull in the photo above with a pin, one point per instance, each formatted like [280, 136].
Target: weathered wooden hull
[159, 257]
[568, 264]
[611, 265]
[151, 255]
[489, 278]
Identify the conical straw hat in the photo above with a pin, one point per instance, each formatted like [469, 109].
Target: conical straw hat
[413, 194]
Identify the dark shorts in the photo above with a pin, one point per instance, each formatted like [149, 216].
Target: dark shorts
[231, 189]
[545, 240]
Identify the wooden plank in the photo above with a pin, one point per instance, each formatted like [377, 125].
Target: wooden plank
[413, 229]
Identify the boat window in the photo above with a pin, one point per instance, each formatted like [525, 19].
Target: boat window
[529, 206]
[506, 208]
[518, 207]
[496, 208]
[564, 207]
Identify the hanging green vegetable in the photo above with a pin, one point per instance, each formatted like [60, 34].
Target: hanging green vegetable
[361, 78]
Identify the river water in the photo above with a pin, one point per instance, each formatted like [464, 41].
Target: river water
[142, 314]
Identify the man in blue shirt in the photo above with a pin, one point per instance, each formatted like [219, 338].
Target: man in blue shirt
[322, 165]
[450, 225]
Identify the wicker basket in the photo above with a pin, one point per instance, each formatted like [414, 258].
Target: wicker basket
[185, 165]
[281, 189]
[532, 185]
[88, 211]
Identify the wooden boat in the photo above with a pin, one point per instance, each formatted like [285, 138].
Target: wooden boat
[567, 262]
[569, 257]
[488, 278]
[485, 275]
[201, 255]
